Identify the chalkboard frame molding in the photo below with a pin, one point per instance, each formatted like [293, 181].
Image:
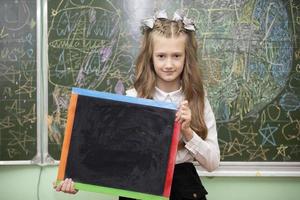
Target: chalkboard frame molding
[36, 160]
[253, 169]
[245, 169]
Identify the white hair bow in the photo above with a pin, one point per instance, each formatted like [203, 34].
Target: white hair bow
[162, 14]
[188, 23]
[178, 16]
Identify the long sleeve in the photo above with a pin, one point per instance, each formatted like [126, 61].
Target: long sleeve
[207, 151]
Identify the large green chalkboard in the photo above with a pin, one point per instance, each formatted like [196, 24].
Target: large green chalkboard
[249, 52]
[18, 138]
[250, 58]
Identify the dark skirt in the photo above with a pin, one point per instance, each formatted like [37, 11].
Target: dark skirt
[186, 184]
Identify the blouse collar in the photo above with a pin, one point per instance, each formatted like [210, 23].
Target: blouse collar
[173, 97]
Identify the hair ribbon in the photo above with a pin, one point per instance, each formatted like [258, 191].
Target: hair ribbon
[178, 16]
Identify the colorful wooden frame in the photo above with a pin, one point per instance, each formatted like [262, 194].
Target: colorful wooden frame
[112, 146]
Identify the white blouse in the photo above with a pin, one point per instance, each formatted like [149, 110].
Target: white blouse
[207, 151]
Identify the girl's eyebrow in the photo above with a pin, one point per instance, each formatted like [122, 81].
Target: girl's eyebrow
[159, 52]
[177, 53]
[163, 52]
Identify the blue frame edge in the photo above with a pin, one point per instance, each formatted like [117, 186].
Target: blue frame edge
[123, 98]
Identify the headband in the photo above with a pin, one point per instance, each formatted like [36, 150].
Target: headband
[188, 24]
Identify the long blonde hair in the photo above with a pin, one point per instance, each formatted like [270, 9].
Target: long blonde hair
[191, 80]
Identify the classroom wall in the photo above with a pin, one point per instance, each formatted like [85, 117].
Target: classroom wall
[23, 183]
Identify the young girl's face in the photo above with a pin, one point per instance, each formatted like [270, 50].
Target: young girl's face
[168, 59]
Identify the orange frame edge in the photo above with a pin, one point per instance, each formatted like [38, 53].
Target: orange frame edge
[67, 137]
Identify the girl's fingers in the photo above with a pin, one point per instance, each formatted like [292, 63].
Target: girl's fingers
[185, 115]
[184, 112]
[182, 115]
[178, 115]
[179, 121]
[185, 124]
[69, 186]
[58, 188]
[185, 103]
[64, 185]
[184, 106]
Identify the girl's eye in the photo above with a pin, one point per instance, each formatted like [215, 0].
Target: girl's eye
[177, 56]
[161, 56]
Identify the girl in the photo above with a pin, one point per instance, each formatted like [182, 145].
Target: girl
[167, 69]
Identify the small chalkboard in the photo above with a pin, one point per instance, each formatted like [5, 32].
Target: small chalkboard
[119, 145]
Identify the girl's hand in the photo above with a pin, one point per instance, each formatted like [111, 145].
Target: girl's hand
[66, 186]
[184, 117]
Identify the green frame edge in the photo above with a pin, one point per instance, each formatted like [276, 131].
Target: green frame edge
[116, 192]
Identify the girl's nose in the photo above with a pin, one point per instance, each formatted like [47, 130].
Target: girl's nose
[169, 63]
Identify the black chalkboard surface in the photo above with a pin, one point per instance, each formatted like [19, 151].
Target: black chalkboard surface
[120, 142]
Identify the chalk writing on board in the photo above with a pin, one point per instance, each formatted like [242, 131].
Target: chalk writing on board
[18, 80]
[249, 57]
